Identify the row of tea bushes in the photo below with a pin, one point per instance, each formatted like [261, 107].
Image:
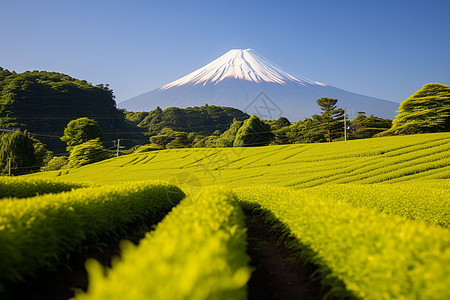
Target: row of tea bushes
[36, 233]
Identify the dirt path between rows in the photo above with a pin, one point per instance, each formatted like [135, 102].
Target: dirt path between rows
[278, 273]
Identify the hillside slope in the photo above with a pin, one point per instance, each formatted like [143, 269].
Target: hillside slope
[387, 160]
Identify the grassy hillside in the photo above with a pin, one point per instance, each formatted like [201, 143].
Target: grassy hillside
[371, 215]
[380, 160]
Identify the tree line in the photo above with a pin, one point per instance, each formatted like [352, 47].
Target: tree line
[37, 101]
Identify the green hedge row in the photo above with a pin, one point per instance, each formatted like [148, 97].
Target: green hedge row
[375, 255]
[20, 187]
[429, 201]
[36, 233]
[197, 252]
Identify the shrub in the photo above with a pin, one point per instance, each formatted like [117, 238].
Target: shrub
[148, 148]
[56, 163]
[88, 153]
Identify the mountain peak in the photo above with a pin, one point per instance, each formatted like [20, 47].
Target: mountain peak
[244, 79]
[243, 64]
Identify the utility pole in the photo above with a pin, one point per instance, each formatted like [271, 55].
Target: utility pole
[118, 147]
[345, 123]
[9, 166]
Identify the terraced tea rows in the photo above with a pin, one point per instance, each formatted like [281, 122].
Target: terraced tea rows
[429, 203]
[23, 188]
[389, 159]
[196, 252]
[373, 215]
[375, 256]
[37, 232]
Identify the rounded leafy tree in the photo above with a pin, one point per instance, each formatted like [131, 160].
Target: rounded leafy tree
[87, 153]
[80, 131]
[253, 132]
[426, 111]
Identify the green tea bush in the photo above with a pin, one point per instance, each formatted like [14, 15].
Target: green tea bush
[428, 202]
[56, 163]
[36, 233]
[20, 187]
[376, 256]
[87, 153]
[197, 252]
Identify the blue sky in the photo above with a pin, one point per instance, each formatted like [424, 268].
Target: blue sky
[384, 49]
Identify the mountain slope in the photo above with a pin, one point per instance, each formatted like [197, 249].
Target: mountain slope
[245, 80]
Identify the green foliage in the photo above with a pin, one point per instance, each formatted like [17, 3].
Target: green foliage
[56, 163]
[27, 154]
[87, 153]
[227, 138]
[375, 256]
[367, 127]
[134, 118]
[387, 159]
[253, 132]
[180, 141]
[281, 122]
[163, 138]
[310, 130]
[428, 202]
[197, 252]
[147, 148]
[428, 110]
[202, 141]
[44, 102]
[80, 131]
[39, 232]
[203, 119]
[20, 187]
[327, 126]
[331, 118]
[379, 237]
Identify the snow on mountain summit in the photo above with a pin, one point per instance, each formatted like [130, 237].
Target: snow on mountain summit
[246, 80]
[239, 64]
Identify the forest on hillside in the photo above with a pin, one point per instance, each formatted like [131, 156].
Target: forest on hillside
[45, 104]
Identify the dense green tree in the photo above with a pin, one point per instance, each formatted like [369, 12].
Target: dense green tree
[253, 132]
[153, 120]
[80, 131]
[367, 127]
[211, 141]
[56, 163]
[44, 102]
[180, 141]
[163, 138]
[87, 153]
[426, 111]
[280, 129]
[281, 122]
[203, 119]
[310, 130]
[331, 118]
[134, 118]
[26, 153]
[227, 138]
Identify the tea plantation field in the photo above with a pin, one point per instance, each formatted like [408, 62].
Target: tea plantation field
[381, 160]
[371, 215]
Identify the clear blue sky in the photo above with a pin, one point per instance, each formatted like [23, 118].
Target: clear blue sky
[384, 49]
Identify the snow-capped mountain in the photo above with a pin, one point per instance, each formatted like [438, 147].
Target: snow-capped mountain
[245, 80]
